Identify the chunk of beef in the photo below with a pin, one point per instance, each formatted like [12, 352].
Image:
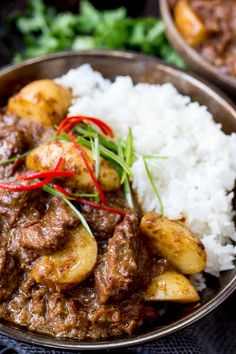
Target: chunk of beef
[9, 277]
[101, 222]
[17, 209]
[16, 137]
[12, 204]
[49, 232]
[13, 141]
[118, 269]
[36, 134]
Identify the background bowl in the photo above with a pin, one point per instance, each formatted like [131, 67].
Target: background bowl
[142, 69]
[191, 56]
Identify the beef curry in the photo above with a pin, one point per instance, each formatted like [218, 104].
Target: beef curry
[76, 259]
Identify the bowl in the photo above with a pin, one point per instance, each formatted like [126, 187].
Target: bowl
[192, 57]
[142, 69]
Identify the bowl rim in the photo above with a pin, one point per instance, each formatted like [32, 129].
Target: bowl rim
[52, 342]
[190, 52]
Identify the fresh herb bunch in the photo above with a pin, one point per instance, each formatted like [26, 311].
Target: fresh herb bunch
[45, 31]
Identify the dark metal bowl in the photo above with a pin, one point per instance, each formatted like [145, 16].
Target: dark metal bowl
[192, 57]
[142, 69]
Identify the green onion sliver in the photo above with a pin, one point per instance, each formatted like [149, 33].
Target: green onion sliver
[161, 157]
[106, 153]
[127, 189]
[13, 159]
[129, 153]
[153, 186]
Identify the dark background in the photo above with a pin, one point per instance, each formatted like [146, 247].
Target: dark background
[10, 43]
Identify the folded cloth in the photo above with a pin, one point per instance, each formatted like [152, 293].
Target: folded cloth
[215, 334]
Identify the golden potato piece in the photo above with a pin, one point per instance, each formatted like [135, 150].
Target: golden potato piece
[188, 23]
[175, 242]
[46, 156]
[171, 286]
[71, 265]
[41, 101]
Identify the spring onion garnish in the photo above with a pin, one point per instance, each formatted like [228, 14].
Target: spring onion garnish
[161, 157]
[127, 188]
[88, 131]
[52, 191]
[107, 154]
[96, 157]
[153, 186]
[129, 153]
[89, 169]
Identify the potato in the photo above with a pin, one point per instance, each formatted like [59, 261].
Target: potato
[171, 286]
[70, 265]
[41, 101]
[46, 156]
[188, 23]
[175, 242]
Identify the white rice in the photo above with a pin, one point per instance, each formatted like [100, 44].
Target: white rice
[198, 177]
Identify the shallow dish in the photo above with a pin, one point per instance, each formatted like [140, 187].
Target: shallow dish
[142, 69]
[191, 56]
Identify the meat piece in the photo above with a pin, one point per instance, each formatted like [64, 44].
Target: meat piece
[36, 133]
[9, 277]
[49, 233]
[13, 203]
[12, 142]
[17, 209]
[16, 137]
[101, 222]
[118, 269]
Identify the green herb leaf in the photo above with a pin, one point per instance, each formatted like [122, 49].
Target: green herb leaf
[44, 31]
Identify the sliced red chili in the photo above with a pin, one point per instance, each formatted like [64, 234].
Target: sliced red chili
[29, 187]
[96, 184]
[59, 164]
[88, 202]
[69, 122]
[54, 174]
[21, 188]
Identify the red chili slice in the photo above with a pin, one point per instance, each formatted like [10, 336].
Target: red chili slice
[97, 185]
[29, 187]
[69, 122]
[33, 186]
[59, 163]
[88, 202]
[54, 174]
